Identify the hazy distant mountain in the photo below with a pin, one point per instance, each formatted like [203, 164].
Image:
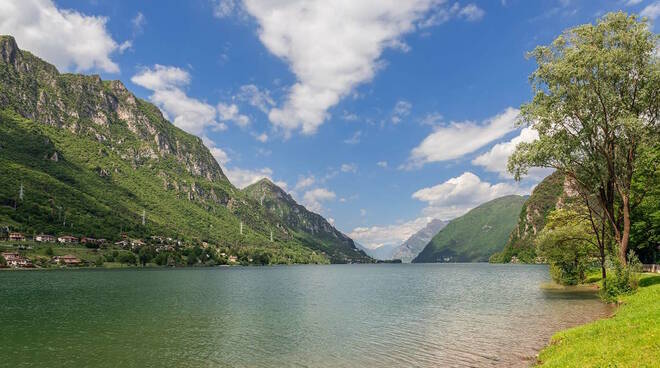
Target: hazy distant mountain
[407, 251]
[475, 236]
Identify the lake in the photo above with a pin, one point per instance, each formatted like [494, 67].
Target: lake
[403, 315]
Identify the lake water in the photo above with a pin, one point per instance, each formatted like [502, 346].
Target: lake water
[422, 315]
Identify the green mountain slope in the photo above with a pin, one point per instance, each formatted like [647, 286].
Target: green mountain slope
[520, 247]
[476, 235]
[311, 228]
[84, 156]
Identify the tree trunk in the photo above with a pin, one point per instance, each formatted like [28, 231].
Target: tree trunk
[625, 235]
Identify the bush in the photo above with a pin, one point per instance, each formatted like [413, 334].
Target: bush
[49, 251]
[127, 258]
[621, 279]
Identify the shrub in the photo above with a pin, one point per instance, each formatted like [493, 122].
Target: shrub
[622, 279]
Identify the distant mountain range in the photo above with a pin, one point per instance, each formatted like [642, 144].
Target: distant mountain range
[83, 156]
[475, 236]
[407, 251]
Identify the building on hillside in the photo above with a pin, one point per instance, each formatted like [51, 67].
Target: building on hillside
[16, 260]
[123, 244]
[233, 259]
[44, 238]
[67, 260]
[16, 237]
[67, 239]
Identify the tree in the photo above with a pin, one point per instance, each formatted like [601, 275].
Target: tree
[595, 103]
[568, 244]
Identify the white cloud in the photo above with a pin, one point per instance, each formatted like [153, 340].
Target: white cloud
[220, 156]
[355, 138]
[167, 83]
[263, 137]
[471, 13]
[495, 160]
[305, 181]
[651, 11]
[458, 195]
[330, 46]
[224, 8]
[432, 119]
[458, 139]
[633, 2]
[66, 38]
[241, 178]
[377, 236]
[312, 199]
[259, 98]
[400, 111]
[138, 23]
[349, 168]
[363, 212]
[229, 112]
[382, 164]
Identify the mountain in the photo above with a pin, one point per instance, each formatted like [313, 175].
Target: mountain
[545, 197]
[384, 252]
[407, 251]
[311, 229]
[475, 236]
[83, 156]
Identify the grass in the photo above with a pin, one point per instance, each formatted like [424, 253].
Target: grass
[631, 338]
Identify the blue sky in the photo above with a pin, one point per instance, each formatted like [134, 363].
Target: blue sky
[377, 114]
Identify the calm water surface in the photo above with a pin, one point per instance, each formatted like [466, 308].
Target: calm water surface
[460, 315]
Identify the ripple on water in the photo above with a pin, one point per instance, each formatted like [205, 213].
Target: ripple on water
[470, 315]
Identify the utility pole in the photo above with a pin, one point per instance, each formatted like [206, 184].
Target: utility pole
[271, 236]
[241, 230]
[144, 213]
[20, 192]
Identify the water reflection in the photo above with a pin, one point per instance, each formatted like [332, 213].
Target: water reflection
[309, 316]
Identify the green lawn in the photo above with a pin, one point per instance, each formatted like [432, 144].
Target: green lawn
[631, 338]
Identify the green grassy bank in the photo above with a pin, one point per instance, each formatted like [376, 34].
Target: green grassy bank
[631, 338]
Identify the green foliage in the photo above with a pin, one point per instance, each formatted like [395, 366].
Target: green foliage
[645, 218]
[522, 241]
[475, 236]
[628, 339]
[49, 251]
[596, 101]
[127, 257]
[86, 171]
[3, 261]
[621, 279]
[568, 244]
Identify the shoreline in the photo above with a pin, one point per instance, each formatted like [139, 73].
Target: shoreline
[633, 327]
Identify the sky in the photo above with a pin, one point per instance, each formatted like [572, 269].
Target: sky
[379, 115]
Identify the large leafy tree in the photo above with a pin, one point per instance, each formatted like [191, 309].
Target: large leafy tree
[596, 102]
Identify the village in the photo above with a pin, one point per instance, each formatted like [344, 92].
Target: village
[19, 251]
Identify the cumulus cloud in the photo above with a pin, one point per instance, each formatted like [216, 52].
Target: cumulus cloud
[229, 112]
[377, 236]
[651, 11]
[382, 164]
[495, 159]
[224, 8]
[471, 13]
[330, 46]
[355, 138]
[259, 98]
[460, 138]
[458, 195]
[220, 156]
[313, 199]
[349, 168]
[66, 38]
[187, 113]
[241, 178]
[401, 110]
[304, 182]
